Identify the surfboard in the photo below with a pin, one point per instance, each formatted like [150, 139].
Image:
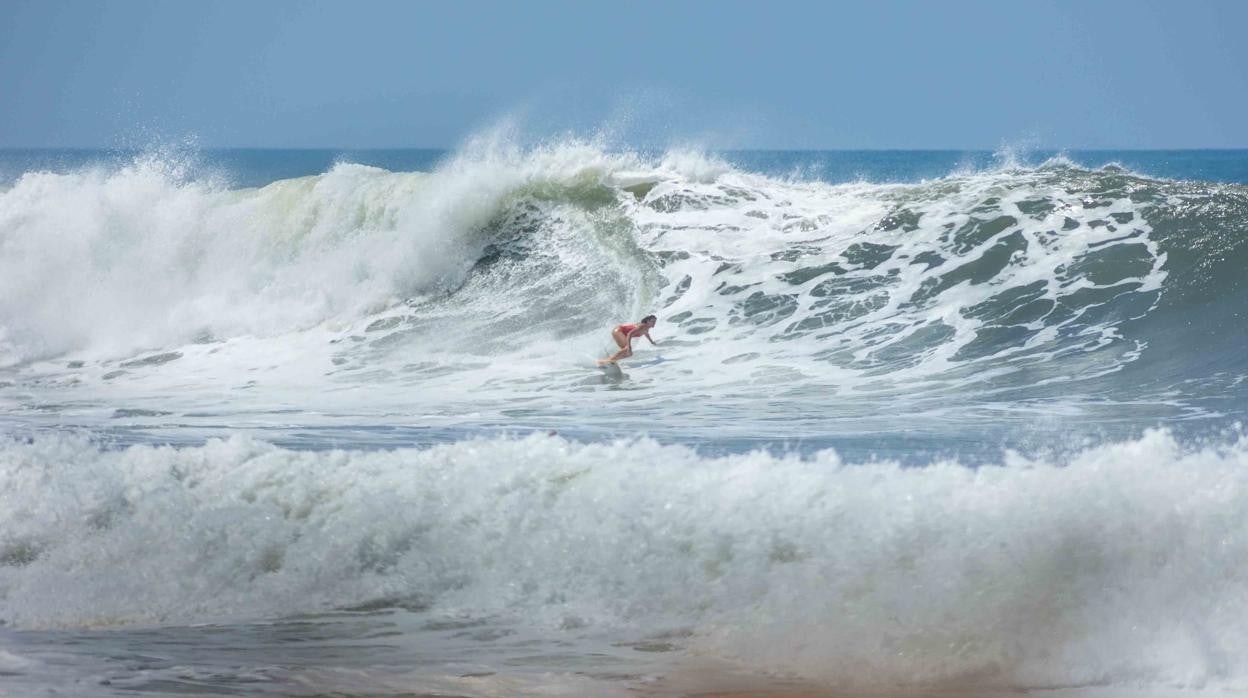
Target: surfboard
[611, 370]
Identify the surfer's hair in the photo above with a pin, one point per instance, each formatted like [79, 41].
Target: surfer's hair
[649, 318]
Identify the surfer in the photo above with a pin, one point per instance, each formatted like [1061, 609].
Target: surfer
[623, 336]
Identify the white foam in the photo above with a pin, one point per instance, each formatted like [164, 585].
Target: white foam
[13, 663]
[297, 278]
[1125, 565]
[112, 261]
[739, 237]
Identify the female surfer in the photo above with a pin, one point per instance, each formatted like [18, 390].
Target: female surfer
[623, 336]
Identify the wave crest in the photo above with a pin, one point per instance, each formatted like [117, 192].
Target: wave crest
[142, 257]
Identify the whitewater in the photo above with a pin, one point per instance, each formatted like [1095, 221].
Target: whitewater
[279, 423]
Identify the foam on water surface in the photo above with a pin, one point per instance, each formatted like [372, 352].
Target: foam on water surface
[1123, 565]
[987, 351]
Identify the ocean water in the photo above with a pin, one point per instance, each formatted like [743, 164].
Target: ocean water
[327, 423]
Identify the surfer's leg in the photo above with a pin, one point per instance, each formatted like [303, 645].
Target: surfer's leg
[622, 342]
[621, 354]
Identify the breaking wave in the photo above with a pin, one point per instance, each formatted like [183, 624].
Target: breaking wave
[1123, 565]
[477, 295]
[1011, 283]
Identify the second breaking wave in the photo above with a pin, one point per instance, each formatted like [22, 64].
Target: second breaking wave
[1121, 566]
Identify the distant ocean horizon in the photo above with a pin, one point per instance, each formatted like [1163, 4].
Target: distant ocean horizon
[253, 166]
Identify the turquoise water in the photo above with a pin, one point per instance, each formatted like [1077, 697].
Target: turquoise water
[296, 422]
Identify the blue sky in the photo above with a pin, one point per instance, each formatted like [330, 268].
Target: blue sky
[900, 74]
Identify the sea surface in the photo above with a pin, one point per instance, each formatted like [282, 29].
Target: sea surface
[328, 423]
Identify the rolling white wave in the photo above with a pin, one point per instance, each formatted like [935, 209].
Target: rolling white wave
[1124, 565]
[110, 261]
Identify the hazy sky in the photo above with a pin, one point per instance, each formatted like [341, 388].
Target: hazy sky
[935, 74]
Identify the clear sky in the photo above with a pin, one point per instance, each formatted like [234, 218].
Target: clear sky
[892, 74]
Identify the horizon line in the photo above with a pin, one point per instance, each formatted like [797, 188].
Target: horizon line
[643, 148]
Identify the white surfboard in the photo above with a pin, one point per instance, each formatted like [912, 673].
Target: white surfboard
[612, 370]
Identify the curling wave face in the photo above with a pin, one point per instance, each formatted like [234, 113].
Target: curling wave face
[1050, 292]
[145, 257]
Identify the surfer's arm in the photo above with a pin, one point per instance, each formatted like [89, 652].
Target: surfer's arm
[647, 335]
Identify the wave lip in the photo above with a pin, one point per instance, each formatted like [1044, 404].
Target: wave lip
[1124, 565]
[141, 256]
